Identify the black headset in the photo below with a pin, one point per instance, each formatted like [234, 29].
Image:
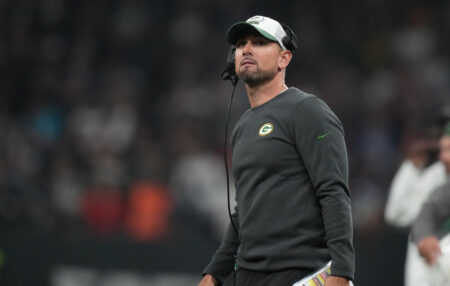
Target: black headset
[289, 41]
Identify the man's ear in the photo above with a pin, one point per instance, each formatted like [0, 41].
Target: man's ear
[285, 59]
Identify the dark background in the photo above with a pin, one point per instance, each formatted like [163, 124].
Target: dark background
[112, 123]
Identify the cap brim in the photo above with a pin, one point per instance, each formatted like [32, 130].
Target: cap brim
[238, 28]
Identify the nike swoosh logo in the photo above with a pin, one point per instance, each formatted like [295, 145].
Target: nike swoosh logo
[323, 136]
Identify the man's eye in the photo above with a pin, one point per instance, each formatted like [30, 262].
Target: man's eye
[260, 43]
[240, 44]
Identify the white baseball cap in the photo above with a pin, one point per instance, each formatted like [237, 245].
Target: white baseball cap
[267, 27]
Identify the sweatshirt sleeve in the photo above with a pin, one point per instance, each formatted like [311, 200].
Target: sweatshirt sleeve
[222, 263]
[433, 214]
[320, 142]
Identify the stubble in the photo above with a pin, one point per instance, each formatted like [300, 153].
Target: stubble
[255, 78]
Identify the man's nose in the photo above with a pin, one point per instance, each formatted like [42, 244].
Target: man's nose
[246, 48]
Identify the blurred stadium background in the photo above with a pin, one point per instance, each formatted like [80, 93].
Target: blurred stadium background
[112, 120]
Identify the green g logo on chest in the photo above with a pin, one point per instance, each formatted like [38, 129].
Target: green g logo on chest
[266, 129]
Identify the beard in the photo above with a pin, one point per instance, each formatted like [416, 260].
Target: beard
[255, 78]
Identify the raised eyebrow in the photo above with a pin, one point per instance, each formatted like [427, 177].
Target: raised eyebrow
[260, 39]
[253, 40]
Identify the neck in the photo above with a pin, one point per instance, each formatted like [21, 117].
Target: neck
[260, 94]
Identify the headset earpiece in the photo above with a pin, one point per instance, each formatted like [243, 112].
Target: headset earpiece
[289, 41]
[230, 72]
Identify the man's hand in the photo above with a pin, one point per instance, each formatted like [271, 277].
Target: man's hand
[208, 280]
[336, 281]
[429, 248]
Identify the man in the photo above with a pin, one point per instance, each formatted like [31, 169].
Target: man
[433, 222]
[293, 210]
[417, 178]
[418, 175]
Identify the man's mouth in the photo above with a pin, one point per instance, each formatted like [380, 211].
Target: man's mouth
[245, 62]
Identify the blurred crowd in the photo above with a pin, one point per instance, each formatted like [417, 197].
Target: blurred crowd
[112, 113]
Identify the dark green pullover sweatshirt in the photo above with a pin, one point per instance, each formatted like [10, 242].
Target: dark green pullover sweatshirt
[293, 202]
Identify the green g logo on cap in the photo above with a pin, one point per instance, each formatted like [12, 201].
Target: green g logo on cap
[266, 129]
[255, 20]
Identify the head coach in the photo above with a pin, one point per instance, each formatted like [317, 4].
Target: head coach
[289, 161]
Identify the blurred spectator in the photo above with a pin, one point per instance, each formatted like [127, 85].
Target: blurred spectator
[367, 205]
[66, 189]
[197, 178]
[199, 184]
[416, 41]
[103, 209]
[417, 178]
[148, 212]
